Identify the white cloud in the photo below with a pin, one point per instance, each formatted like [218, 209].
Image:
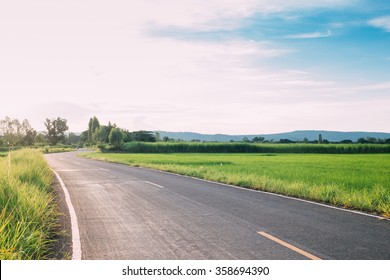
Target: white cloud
[220, 14]
[381, 22]
[312, 35]
[96, 57]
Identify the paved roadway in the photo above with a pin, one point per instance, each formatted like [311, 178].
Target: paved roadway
[133, 213]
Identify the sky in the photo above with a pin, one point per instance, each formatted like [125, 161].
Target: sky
[215, 66]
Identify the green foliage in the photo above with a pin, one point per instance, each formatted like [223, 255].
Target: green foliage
[141, 136]
[28, 216]
[196, 147]
[56, 130]
[16, 133]
[116, 138]
[354, 181]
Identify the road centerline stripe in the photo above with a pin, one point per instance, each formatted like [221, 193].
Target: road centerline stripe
[289, 246]
[161, 187]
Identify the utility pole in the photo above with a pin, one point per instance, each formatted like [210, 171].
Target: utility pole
[9, 160]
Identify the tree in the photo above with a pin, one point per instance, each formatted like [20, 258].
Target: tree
[245, 140]
[286, 141]
[55, 130]
[40, 139]
[319, 139]
[144, 136]
[89, 136]
[102, 134]
[73, 139]
[93, 126]
[258, 139]
[9, 128]
[116, 138]
[28, 133]
[16, 132]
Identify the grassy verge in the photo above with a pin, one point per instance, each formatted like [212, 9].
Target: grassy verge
[353, 181]
[51, 150]
[28, 215]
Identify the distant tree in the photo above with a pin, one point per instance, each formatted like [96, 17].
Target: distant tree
[93, 127]
[40, 139]
[28, 133]
[371, 140]
[101, 135]
[109, 127]
[319, 138]
[305, 140]
[116, 138]
[346, 141]
[144, 136]
[258, 139]
[73, 139]
[84, 137]
[286, 141]
[16, 132]
[9, 128]
[95, 124]
[362, 140]
[55, 130]
[89, 135]
[245, 140]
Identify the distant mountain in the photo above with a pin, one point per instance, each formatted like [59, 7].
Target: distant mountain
[299, 135]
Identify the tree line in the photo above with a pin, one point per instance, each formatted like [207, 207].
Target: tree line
[320, 140]
[14, 132]
[112, 135]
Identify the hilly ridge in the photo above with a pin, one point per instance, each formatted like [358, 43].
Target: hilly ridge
[298, 135]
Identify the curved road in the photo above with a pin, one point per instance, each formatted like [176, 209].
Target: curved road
[133, 213]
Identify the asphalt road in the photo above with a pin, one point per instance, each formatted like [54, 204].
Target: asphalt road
[133, 213]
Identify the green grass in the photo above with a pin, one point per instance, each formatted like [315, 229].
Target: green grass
[28, 216]
[353, 181]
[54, 149]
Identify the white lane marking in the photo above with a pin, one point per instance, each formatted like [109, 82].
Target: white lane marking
[78, 170]
[161, 187]
[76, 243]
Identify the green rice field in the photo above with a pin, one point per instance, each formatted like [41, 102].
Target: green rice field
[355, 181]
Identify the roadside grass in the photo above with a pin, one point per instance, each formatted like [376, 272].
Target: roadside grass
[360, 182]
[56, 149]
[28, 215]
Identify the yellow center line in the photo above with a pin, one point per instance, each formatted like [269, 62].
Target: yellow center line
[291, 247]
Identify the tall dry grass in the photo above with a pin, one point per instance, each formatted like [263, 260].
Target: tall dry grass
[28, 216]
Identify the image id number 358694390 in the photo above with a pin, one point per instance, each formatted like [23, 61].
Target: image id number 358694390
[241, 270]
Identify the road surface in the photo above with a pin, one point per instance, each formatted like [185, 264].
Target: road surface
[134, 213]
